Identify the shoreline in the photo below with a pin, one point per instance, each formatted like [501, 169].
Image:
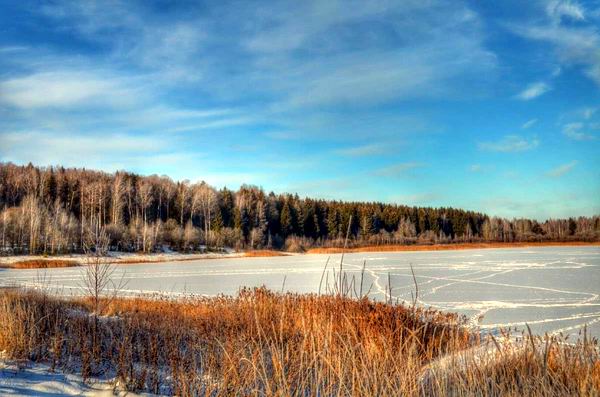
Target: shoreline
[128, 258]
[450, 247]
[123, 258]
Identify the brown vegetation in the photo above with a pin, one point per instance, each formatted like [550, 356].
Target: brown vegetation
[162, 259]
[449, 246]
[263, 343]
[39, 264]
[263, 253]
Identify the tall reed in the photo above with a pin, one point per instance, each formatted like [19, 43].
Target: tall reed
[263, 343]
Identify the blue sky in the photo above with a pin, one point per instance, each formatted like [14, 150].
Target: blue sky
[491, 106]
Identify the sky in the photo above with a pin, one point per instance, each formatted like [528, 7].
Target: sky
[492, 106]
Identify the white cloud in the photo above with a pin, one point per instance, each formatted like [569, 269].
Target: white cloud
[174, 50]
[529, 123]
[13, 49]
[292, 56]
[510, 143]
[398, 170]
[573, 45]
[481, 168]
[315, 54]
[64, 89]
[419, 199]
[559, 9]
[556, 71]
[588, 112]
[290, 26]
[576, 43]
[574, 131]
[171, 48]
[82, 98]
[533, 90]
[562, 169]
[364, 150]
[298, 53]
[47, 148]
[213, 125]
[169, 113]
[378, 76]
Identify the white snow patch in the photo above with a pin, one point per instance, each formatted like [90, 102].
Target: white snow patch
[33, 379]
[120, 257]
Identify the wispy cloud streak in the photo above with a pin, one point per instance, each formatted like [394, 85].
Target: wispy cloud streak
[562, 169]
[510, 143]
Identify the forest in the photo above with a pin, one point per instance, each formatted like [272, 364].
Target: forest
[52, 210]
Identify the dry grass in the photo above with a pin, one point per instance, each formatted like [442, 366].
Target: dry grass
[533, 366]
[449, 246]
[194, 257]
[135, 261]
[40, 264]
[132, 260]
[263, 253]
[262, 343]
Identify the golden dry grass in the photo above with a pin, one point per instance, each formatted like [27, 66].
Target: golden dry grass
[263, 253]
[262, 343]
[132, 260]
[442, 247]
[40, 264]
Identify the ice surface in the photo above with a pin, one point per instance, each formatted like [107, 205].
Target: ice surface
[554, 289]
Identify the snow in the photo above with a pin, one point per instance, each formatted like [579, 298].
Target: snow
[553, 289]
[29, 379]
[123, 257]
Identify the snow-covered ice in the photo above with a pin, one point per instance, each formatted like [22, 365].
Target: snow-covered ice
[553, 289]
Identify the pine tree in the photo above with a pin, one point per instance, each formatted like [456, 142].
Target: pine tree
[298, 218]
[285, 220]
[227, 204]
[244, 222]
[333, 223]
[317, 227]
[49, 188]
[366, 226]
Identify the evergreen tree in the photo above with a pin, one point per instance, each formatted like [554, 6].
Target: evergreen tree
[226, 205]
[49, 187]
[285, 220]
[333, 223]
[366, 226]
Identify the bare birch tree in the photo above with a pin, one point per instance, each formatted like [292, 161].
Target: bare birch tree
[145, 194]
[117, 194]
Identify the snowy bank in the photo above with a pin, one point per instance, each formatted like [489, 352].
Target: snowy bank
[128, 257]
[34, 379]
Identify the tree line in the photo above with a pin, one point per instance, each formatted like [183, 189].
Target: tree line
[57, 210]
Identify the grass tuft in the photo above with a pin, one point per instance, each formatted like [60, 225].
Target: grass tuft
[40, 264]
[263, 253]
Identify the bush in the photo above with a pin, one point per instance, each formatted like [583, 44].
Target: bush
[298, 244]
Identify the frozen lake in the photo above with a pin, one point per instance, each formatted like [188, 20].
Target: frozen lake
[553, 289]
